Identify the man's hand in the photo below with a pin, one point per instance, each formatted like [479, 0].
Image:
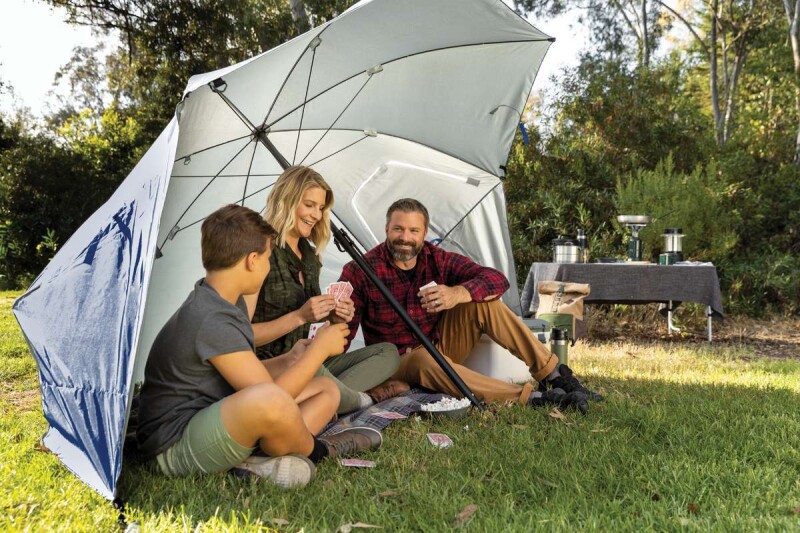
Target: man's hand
[344, 311]
[441, 297]
[330, 339]
[317, 308]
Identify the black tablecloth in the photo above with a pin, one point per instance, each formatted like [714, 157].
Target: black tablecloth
[630, 284]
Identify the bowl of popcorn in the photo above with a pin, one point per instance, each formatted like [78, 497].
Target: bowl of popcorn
[447, 407]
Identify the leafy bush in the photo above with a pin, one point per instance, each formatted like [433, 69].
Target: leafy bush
[761, 284]
[695, 202]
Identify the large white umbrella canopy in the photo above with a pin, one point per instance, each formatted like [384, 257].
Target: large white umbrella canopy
[391, 99]
[394, 98]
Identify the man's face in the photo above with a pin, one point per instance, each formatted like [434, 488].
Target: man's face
[405, 234]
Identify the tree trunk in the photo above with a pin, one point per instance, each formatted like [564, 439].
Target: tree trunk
[645, 43]
[793, 17]
[299, 15]
[718, 123]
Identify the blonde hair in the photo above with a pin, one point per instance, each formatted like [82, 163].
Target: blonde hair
[286, 195]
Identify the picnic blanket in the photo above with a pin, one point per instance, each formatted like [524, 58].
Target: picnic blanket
[404, 404]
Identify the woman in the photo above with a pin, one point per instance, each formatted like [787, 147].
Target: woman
[290, 299]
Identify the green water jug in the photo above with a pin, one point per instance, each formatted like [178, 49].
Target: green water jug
[561, 321]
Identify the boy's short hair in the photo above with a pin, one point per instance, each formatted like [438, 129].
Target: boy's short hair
[232, 232]
[407, 205]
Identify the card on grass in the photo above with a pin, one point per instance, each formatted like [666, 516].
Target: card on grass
[389, 415]
[357, 463]
[440, 440]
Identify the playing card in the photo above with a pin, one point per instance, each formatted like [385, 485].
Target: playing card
[389, 415]
[312, 329]
[440, 440]
[338, 288]
[428, 285]
[346, 290]
[357, 463]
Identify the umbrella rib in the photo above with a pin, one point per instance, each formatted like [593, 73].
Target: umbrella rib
[199, 195]
[305, 99]
[462, 219]
[337, 119]
[337, 151]
[286, 79]
[247, 177]
[226, 176]
[262, 189]
[215, 146]
[236, 111]
[345, 80]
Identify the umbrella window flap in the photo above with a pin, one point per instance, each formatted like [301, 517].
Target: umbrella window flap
[449, 194]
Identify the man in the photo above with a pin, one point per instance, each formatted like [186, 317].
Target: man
[453, 313]
[208, 402]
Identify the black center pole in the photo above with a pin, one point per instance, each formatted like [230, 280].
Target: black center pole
[345, 243]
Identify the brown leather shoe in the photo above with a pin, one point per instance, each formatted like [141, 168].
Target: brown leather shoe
[388, 389]
[351, 441]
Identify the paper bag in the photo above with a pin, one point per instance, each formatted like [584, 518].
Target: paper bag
[562, 297]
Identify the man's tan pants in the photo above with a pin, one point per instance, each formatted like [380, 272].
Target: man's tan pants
[460, 328]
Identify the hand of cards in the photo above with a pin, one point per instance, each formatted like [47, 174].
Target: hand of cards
[340, 289]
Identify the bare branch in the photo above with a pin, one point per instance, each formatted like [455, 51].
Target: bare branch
[688, 26]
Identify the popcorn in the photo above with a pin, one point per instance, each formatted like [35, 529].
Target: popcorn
[447, 403]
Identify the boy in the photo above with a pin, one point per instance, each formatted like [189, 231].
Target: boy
[208, 402]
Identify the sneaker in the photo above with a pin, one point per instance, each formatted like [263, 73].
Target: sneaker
[569, 383]
[286, 471]
[351, 441]
[575, 400]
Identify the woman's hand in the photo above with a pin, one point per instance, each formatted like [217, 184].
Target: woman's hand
[344, 310]
[317, 308]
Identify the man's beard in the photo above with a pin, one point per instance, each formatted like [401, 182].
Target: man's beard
[404, 256]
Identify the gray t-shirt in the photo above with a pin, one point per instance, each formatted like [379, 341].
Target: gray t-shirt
[179, 380]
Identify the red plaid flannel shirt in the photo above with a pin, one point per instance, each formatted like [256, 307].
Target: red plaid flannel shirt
[380, 323]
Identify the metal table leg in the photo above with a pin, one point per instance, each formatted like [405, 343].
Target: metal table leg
[670, 326]
[709, 312]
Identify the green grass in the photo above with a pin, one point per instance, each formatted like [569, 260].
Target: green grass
[689, 439]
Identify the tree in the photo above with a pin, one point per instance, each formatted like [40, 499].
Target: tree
[724, 32]
[614, 24]
[793, 18]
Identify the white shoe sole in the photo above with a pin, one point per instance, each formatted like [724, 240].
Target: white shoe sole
[286, 471]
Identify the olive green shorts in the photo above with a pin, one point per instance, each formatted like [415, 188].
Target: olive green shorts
[205, 446]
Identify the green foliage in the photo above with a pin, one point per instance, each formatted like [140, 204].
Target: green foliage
[695, 202]
[49, 186]
[610, 122]
[761, 284]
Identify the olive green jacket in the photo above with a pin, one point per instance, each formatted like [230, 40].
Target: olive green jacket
[282, 293]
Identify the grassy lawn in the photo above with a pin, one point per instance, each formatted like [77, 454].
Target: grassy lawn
[691, 437]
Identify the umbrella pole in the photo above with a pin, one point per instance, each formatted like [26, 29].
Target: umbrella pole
[345, 243]
[343, 240]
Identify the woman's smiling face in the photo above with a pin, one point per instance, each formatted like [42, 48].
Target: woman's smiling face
[309, 211]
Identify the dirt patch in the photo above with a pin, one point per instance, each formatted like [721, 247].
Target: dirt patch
[777, 338]
[22, 400]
